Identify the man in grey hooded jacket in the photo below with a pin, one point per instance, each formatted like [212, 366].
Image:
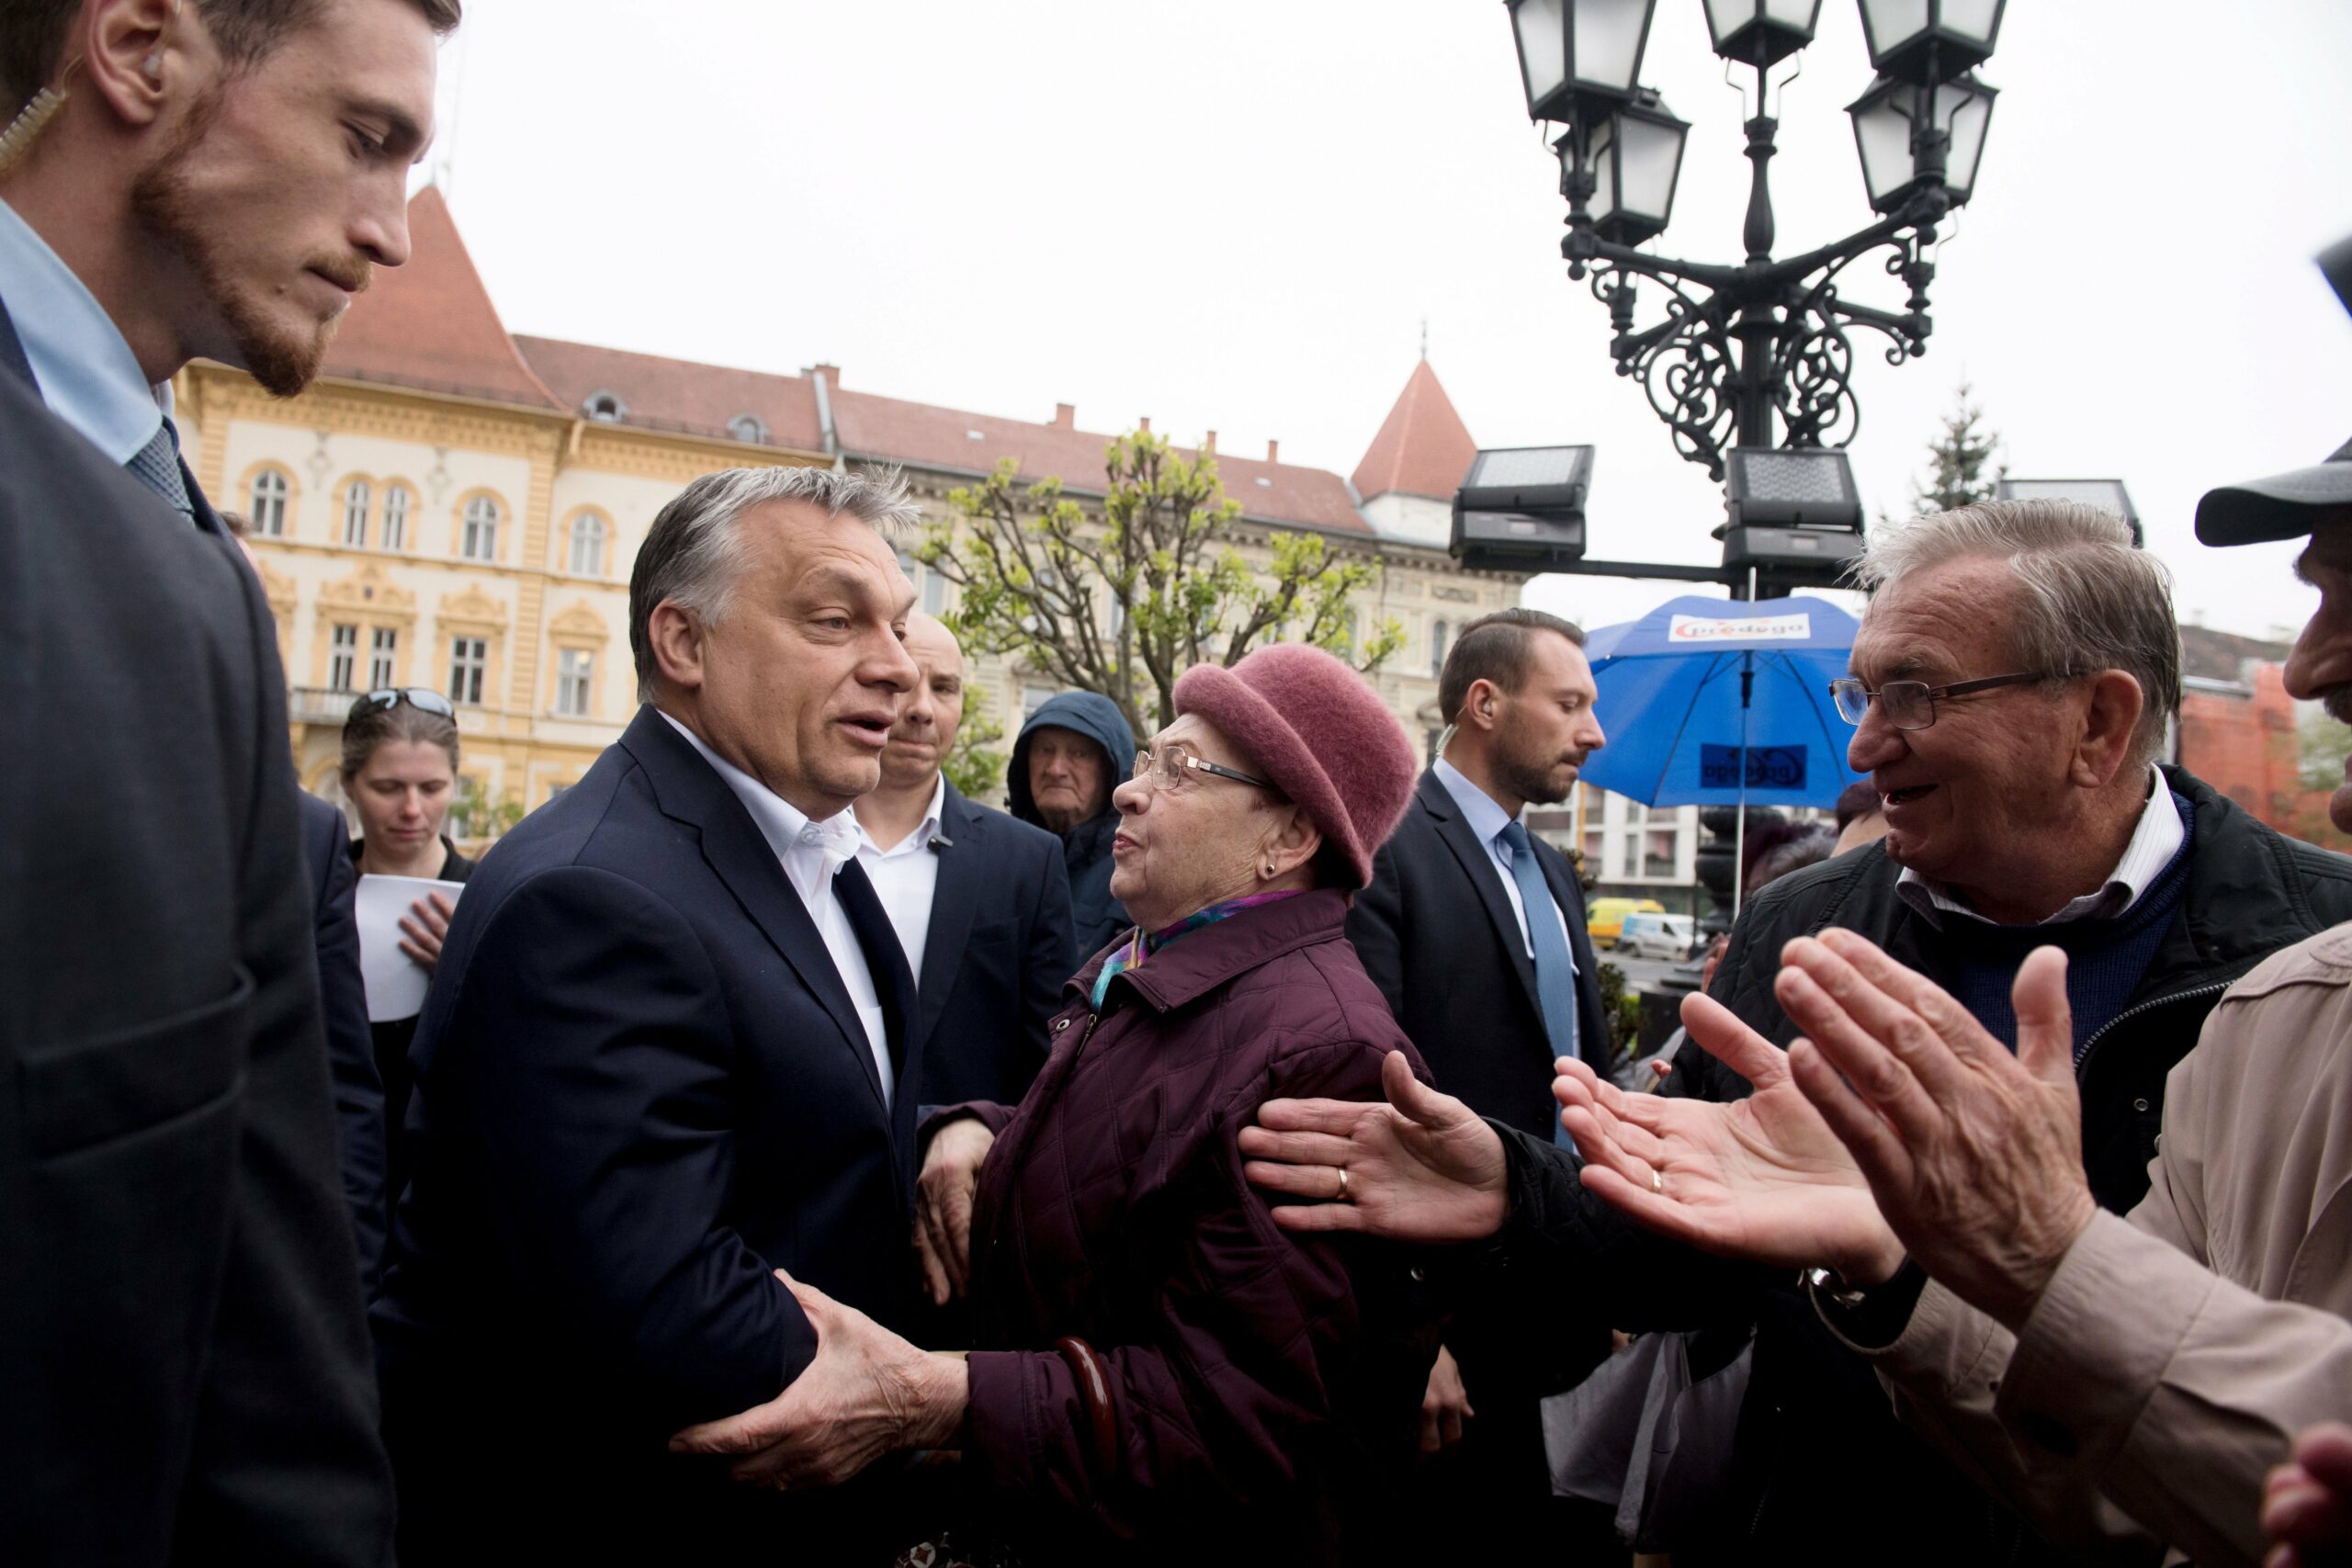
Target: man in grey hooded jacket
[1073, 751]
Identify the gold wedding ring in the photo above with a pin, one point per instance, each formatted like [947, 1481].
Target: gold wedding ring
[1658, 1182]
[1344, 1185]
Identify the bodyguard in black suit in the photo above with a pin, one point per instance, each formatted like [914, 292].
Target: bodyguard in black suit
[184, 1364]
[665, 1056]
[351, 1056]
[979, 900]
[1475, 931]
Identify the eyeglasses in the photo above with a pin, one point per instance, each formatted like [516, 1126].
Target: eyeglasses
[1166, 768]
[1911, 705]
[421, 698]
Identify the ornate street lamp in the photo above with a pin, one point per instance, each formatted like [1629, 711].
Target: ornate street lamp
[1901, 155]
[1759, 354]
[1579, 51]
[1929, 40]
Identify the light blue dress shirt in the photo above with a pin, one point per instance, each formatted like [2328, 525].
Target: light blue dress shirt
[1487, 820]
[88, 374]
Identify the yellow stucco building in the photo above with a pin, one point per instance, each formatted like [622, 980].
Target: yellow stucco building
[454, 507]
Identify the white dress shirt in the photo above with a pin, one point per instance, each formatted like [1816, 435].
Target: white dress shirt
[86, 373]
[2153, 843]
[906, 877]
[1487, 820]
[810, 853]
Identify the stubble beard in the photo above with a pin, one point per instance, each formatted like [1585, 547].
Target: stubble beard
[164, 205]
[1530, 778]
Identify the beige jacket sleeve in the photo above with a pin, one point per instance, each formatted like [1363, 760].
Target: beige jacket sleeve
[2177, 1352]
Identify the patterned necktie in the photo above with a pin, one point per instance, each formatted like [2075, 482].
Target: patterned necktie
[1555, 972]
[157, 466]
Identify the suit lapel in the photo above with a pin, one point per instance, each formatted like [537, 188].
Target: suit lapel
[1486, 876]
[13, 358]
[955, 900]
[732, 846]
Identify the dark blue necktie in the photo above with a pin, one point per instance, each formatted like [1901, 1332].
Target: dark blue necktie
[157, 466]
[1555, 972]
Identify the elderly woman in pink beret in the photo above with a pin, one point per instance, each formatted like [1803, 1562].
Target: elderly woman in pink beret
[1161, 1374]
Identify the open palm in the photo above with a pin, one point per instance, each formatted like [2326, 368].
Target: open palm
[1762, 1178]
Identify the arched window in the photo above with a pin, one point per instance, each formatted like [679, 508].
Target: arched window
[355, 497]
[605, 406]
[587, 545]
[265, 507]
[478, 538]
[749, 427]
[396, 504]
[1440, 634]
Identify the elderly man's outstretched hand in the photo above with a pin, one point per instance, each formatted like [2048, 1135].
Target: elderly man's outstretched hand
[1762, 1178]
[1422, 1168]
[1976, 1155]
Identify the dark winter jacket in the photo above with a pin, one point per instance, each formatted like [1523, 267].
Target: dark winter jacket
[1086, 849]
[1816, 1439]
[1262, 1387]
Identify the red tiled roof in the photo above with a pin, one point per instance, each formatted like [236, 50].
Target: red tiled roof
[430, 323]
[1423, 448]
[674, 394]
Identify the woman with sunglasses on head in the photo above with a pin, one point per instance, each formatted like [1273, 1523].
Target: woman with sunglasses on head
[400, 772]
[1161, 1373]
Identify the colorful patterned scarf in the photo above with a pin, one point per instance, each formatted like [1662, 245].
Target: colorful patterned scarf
[1139, 947]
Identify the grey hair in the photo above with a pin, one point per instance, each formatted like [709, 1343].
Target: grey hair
[2087, 600]
[695, 553]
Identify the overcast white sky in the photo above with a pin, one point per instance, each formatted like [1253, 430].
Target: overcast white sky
[1235, 214]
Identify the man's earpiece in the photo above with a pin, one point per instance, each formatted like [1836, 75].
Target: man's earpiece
[152, 66]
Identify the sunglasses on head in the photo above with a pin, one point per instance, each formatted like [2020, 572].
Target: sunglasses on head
[421, 698]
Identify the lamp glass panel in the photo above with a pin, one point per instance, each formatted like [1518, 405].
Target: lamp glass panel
[1604, 168]
[1882, 135]
[1649, 156]
[1724, 16]
[1796, 15]
[1891, 23]
[1542, 47]
[1608, 51]
[1971, 20]
[1965, 114]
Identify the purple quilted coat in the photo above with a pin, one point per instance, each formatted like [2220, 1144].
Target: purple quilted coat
[1264, 1388]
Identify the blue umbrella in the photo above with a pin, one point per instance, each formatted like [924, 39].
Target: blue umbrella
[1716, 702]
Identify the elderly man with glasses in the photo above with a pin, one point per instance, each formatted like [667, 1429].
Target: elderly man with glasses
[2011, 684]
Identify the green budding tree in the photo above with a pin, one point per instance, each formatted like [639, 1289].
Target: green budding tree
[1125, 605]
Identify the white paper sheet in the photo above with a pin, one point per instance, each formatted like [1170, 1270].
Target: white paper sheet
[396, 982]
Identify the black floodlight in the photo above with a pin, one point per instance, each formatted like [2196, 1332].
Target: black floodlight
[1760, 32]
[1795, 514]
[1573, 51]
[1521, 508]
[1890, 140]
[1929, 40]
[2106, 495]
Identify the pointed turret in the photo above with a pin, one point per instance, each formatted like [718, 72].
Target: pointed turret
[1408, 475]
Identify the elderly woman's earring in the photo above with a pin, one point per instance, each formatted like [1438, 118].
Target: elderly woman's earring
[1270, 868]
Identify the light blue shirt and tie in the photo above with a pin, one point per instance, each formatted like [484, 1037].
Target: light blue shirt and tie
[85, 372]
[1542, 928]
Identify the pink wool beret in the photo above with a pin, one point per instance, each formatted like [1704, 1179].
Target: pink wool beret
[1318, 731]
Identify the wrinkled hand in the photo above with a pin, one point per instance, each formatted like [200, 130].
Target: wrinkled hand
[1976, 1155]
[1445, 1405]
[950, 1174]
[866, 1393]
[1762, 1178]
[425, 927]
[2307, 1502]
[1421, 1168]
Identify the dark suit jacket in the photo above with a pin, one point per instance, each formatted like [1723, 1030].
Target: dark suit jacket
[184, 1372]
[1436, 934]
[351, 1048]
[997, 951]
[640, 1087]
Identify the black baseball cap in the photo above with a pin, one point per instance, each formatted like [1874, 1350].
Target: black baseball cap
[2284, 506]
